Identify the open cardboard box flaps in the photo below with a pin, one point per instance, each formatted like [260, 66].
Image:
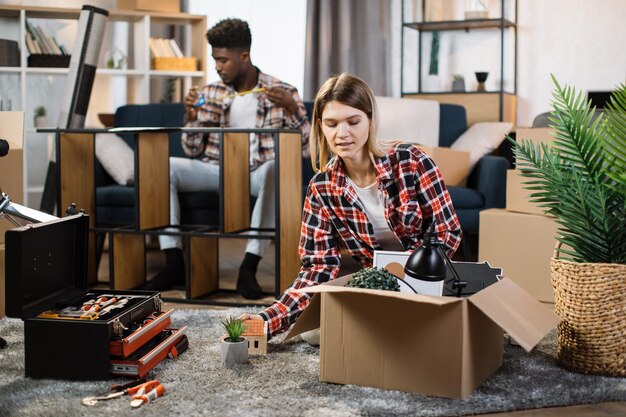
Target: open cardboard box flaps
[442, 346]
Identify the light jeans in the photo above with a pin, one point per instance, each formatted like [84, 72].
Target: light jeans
[188, 175]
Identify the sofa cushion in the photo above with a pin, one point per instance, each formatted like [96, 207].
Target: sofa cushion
[199, 200]
[408, 120]
[481, 139]
[115, 216]
[121, 196]
[115, 196]
[452, 123]
[117, 158]
[157, 115]
[466, 198]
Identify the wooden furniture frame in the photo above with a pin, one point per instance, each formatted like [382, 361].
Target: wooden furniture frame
[75, 156]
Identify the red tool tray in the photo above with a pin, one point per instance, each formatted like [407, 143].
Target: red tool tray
[151, 326]
[169, 342]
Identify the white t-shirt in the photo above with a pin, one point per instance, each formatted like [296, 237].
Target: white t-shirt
[243, 115]
[372, 203]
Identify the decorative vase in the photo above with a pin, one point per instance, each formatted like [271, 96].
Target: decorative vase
[234, 352]
[590, 299]
[481, 77]
[458, 86]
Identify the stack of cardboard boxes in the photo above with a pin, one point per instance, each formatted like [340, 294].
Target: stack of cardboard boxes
[521, 238]
[11, 177]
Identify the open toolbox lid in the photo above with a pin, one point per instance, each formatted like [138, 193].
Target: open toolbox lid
[505, 303]
[45, 263]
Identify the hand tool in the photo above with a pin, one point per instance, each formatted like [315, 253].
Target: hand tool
[114, 392]
[69, 314]
[145, 393]
[118, 304]
[181, 345]
[202, 100]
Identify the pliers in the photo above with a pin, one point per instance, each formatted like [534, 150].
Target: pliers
[144, 393]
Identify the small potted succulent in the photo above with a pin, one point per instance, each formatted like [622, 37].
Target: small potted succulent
[40, 116]
[458, 83]
[234, 348]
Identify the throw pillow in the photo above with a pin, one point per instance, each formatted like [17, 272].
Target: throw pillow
[481, 139]
[116, 157]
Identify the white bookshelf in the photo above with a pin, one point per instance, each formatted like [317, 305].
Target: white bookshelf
[129, 32]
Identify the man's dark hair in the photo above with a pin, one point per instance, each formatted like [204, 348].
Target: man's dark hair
[230, 33]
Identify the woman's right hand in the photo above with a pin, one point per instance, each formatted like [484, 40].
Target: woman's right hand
[247, 316]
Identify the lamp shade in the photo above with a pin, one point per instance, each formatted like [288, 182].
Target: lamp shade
[427, 263]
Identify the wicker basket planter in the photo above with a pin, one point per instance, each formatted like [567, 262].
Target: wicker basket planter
[590, 298]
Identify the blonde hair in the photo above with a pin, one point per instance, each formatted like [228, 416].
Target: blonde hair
[352, 91]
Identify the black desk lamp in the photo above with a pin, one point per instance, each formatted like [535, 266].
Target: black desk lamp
[428, 263]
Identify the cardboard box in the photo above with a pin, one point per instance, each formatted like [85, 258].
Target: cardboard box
[150, 5]
[12, 164]
[2, 296]
[536, 135]
[517, 196]
[442, 346]
[453, 164]
[522, 245]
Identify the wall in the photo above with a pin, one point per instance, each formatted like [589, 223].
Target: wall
[278, 33]
[581, 42]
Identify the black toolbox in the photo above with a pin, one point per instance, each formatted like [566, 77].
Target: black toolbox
[46, 281]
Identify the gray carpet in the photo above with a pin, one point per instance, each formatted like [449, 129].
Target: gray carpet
[285, 383]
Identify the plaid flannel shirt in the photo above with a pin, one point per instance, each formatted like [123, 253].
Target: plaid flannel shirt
[334, 220]
[217, 114]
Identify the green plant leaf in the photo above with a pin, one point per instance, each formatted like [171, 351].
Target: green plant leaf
[580, 179]
[234, 327]
[615, 144]
[374, 279]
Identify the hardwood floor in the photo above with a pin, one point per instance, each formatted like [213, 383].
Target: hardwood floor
[231, 254]
[612, 409]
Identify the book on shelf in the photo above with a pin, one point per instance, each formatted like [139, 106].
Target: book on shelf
[165, 48]
[39, 42]
[33, 47]
[175, 48]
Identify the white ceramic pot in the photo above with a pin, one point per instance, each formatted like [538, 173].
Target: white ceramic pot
[234, 353]
[41, 121]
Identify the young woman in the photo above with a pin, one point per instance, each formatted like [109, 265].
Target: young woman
[368, 196]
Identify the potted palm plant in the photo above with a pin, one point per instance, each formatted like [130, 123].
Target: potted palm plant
[233, 347]
[581, 180]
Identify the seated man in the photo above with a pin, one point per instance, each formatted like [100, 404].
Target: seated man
[229, 103]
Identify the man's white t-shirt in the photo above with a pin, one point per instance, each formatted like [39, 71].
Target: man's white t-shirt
[243, 115]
